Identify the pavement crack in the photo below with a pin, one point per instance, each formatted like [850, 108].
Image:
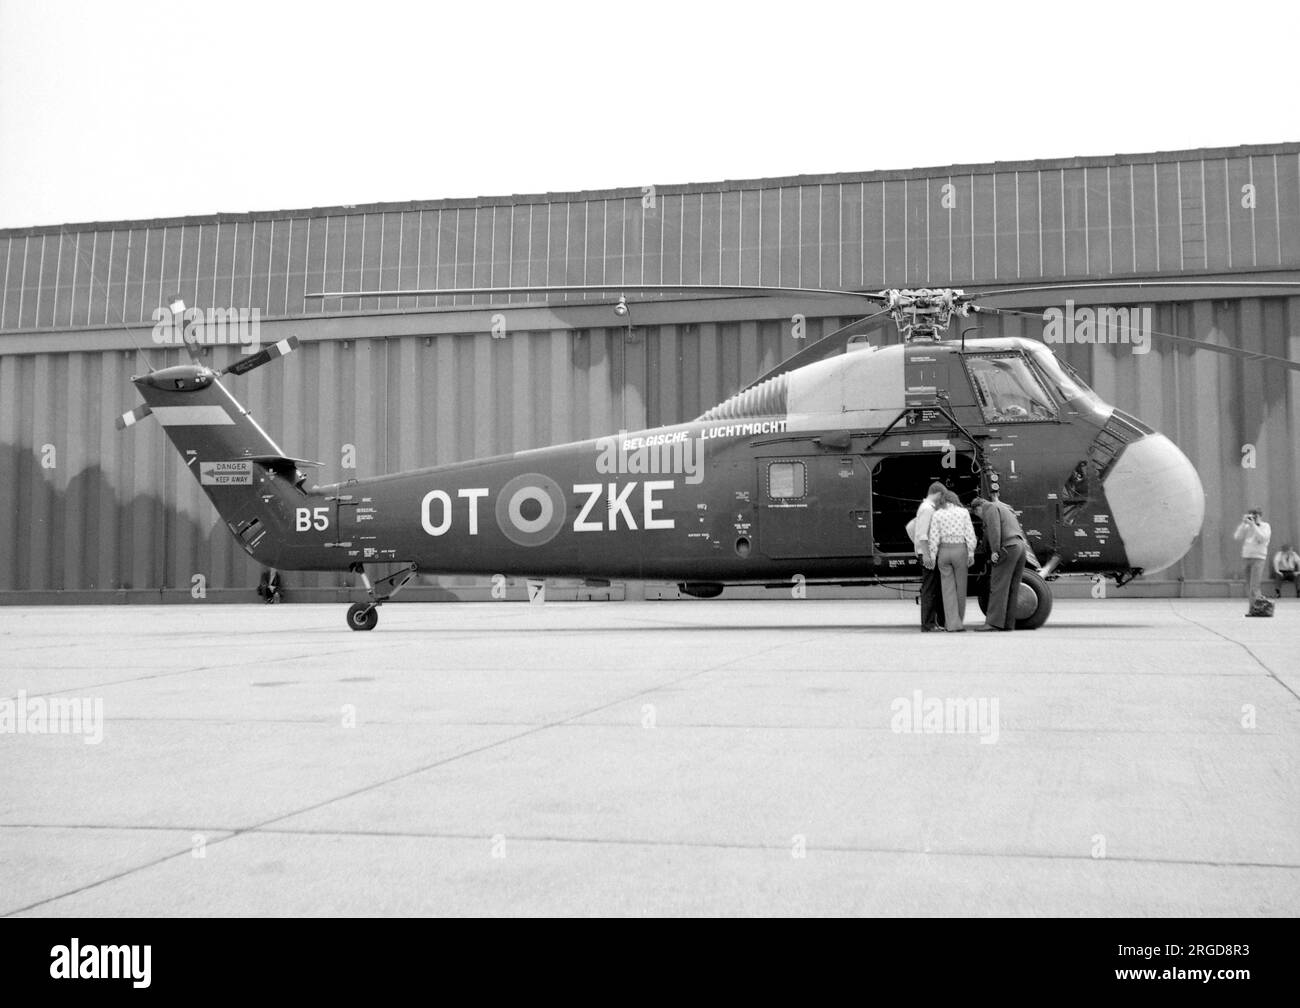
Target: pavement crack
[1241, 644]
[261, 826]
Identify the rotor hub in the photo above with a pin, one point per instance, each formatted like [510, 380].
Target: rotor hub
[923, 315]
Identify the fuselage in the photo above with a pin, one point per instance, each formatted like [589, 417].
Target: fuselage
[815, 472]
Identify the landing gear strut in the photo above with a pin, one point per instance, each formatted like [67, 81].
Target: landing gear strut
[365, 615]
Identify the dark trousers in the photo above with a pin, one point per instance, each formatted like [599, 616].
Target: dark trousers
[1004, 585]
[269, 585]
[1284, 577]
[931, 597]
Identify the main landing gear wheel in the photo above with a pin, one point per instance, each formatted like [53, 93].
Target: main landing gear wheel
[362, 616]
[1033, 604]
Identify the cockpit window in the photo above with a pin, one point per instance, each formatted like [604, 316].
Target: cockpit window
[1008, 390]
[1068, 384]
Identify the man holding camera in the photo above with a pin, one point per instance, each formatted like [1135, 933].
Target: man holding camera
[1254, 534]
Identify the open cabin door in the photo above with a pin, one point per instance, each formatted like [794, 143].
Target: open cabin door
[814, 506]
[901, 480]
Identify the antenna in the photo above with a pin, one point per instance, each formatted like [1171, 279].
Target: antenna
[76, 248]
[94, 280]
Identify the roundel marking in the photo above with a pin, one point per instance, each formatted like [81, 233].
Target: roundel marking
[530, 509]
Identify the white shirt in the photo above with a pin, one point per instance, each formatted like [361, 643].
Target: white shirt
[919, 527]
[1254, 538]
[952, 525]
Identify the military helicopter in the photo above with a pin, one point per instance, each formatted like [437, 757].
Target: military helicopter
[810, 472]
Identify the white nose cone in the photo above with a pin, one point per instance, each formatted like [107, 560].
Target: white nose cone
[1156, 501]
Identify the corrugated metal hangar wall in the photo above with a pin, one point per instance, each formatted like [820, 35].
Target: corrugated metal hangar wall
[92, 512]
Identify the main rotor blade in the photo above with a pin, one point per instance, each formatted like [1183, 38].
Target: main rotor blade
[832, 343]
[610, 289]
[274, 351]
[879, 297]
[1201, 344]
[1138, 284]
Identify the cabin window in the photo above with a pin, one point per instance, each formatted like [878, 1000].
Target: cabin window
[786, 480]
[1007, 390]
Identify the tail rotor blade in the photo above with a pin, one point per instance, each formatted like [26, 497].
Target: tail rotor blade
[133, 417]
[273, 352]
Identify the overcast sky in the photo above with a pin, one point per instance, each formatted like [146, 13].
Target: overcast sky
[136, 109]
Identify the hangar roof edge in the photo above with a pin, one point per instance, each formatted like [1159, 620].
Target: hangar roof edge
[635, 192]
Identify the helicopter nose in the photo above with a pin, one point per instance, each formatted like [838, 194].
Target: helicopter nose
[1157, 502]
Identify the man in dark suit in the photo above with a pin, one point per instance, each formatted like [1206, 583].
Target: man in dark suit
[1008, 551]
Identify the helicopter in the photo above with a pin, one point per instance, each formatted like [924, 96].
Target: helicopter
[808, 474]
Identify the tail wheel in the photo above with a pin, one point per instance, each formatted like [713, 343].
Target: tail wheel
[1033, 603]
[362, 616]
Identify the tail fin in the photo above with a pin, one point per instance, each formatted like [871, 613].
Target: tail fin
[245, 474]
[201, 417]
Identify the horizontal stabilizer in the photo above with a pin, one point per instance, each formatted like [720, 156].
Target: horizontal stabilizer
[274, 460]
[285, 466]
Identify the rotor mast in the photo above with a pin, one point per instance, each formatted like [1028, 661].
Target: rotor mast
[923, 315]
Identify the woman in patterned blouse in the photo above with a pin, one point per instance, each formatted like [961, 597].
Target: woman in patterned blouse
[952, 550]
